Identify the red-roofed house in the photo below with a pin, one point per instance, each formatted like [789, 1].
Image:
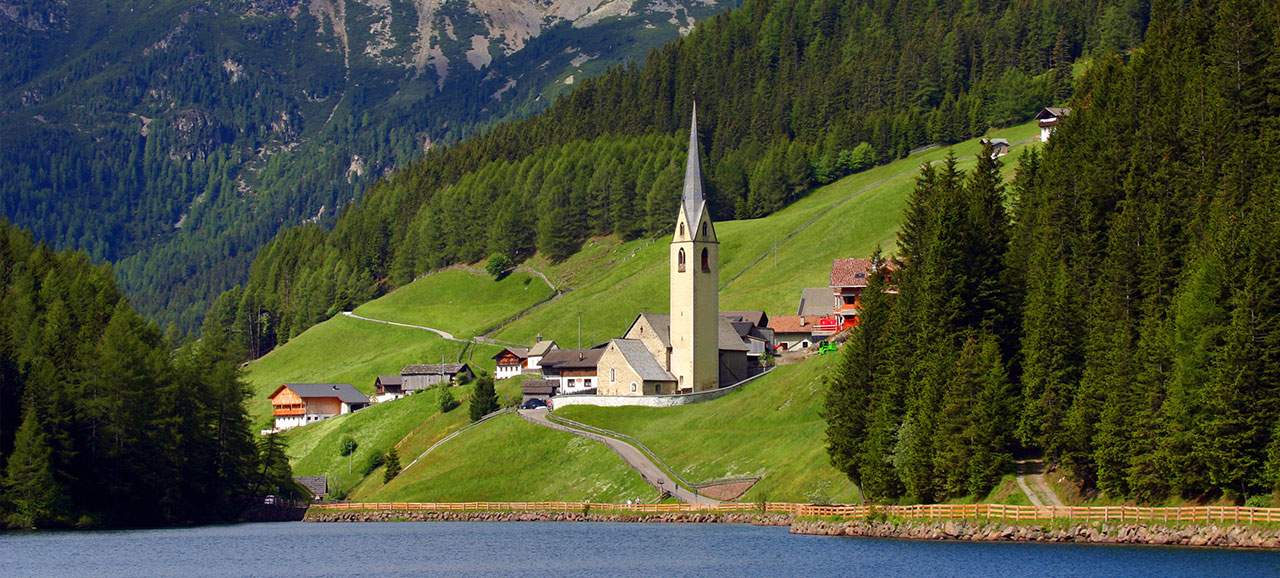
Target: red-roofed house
[849, 277]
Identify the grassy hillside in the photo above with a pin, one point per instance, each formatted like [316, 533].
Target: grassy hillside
[346, 350]
[458, 301]
[770, 428]
[314, 448]
[510, 459]
[612, 281]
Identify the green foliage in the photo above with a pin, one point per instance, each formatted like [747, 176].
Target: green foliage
[115, 428]
[347, 446]
[392, 466]
[497, 265]
[484, 400]
[447, 402]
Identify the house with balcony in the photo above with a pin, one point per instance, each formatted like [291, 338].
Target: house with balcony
[1048, 119]
[298, 404]
[571, 370]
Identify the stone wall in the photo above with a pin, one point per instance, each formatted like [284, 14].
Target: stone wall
[533, 516]
[646, 400]
[978, 531]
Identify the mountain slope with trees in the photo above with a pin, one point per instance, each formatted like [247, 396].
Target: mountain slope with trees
[791, 94]
[1128, 303]
[174, 138]
[101, 421]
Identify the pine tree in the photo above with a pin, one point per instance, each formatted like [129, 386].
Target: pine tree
[36, 498]
[484, 400]
[391, 466]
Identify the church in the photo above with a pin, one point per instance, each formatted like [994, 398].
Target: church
[694, 348]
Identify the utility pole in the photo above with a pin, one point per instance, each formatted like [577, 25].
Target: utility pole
[579, 330]
[775, 251]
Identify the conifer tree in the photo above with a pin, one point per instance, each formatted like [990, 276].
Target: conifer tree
[30, 488]
[484, 400]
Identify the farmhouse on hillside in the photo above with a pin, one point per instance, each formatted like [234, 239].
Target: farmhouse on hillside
[298, 404]
[422, 376]
[571, 370]
[1048, 120]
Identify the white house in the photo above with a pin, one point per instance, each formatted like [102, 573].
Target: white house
[1048, 119]
[298, 404]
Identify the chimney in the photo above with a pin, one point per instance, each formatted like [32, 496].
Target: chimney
[803, 321]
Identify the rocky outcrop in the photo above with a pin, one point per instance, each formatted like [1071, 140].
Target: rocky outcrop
[315, 515]
[1212, 535]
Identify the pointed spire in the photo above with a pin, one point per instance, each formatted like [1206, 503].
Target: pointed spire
[693, 197]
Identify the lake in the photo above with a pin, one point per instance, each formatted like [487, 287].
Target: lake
[577, 549]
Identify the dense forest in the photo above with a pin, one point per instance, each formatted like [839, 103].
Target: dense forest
[103, 420]
[174, 138]
[790, 94]
[1115, 308]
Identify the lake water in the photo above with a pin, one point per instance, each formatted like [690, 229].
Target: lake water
[577, 549]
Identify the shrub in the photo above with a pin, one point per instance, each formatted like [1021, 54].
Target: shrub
[498, 264]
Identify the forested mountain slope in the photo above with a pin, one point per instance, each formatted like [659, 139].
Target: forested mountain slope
[791, 94]
[1121, 317]
[174, 138]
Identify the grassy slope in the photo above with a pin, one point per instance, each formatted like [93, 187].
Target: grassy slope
[611, 281]
[770, 428]
[377, 429]
[622, 279]
[510, 459]
[458, 301]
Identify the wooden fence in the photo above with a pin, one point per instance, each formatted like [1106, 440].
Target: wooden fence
[1120, 514]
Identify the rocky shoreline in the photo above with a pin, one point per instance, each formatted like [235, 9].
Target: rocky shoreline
[1214, 536]
[1147, 534]
[531, 516]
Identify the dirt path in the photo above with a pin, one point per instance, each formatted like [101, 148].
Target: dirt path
[441, 333]
[629, 454]
[1031, 481]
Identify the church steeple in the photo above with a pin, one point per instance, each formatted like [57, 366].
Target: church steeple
[694, 199]
[695, 274]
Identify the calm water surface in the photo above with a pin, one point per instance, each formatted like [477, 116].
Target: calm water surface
[577, 549]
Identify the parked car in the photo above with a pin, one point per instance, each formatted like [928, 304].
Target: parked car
[533, 403]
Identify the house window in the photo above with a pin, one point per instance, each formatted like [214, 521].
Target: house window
[633, 387]
[706, 261]
[680, 261]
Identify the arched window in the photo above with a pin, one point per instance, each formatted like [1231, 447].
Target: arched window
[633, 387]
[704, 229]
[681, 229]
[613, 376]
[706, 262]
[680, 261]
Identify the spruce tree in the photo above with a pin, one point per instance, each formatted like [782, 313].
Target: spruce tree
[35, 496]
[391, 466]
[484, 400]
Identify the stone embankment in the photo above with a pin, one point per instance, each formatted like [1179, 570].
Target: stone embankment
[1154, 534]
[532, 516]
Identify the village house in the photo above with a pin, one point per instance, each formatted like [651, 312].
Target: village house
[387, 388]
[849, 278]
[539, 350]
[510, 362]
[792, 332]
[572, 370]
[542, 389]
[1048, 118]
[999, 146]
[422, 376]
[298, 404]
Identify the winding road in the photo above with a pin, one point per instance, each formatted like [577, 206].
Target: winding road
[629, 454]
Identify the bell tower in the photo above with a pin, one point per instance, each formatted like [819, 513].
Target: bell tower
[695, 282]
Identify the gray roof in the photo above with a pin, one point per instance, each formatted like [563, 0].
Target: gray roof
[571, 359]
[815, 301]
[538, 386]
[729, 339]
[661, 323]
[434, 369]
[641, 360]
[342, 391]
[390, 380]
[1053, 112]
[521, 352]
[998, 141]
[541, 348]
[693, 200]
[758, 318]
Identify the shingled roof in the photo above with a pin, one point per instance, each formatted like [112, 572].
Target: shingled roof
[693, 200]
[850, 272]
[641, 360]
[433, 369]
[661, 323]
[541, 348]
[572, 359]
[814, 301]
[343, 391]
[794, 323]
[520, 352]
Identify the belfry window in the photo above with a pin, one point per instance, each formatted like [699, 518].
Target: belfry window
[704, 230]
[706, 262]
[680, 261]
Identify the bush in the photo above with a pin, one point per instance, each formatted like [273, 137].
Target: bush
[374, 461]
[347, 446]
[498, 264]
[447, 402]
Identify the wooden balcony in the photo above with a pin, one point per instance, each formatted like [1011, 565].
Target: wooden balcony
[288, 410]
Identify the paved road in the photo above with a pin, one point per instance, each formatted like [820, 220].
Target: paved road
[439, 332]
[629, 454]
[1031, 480]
